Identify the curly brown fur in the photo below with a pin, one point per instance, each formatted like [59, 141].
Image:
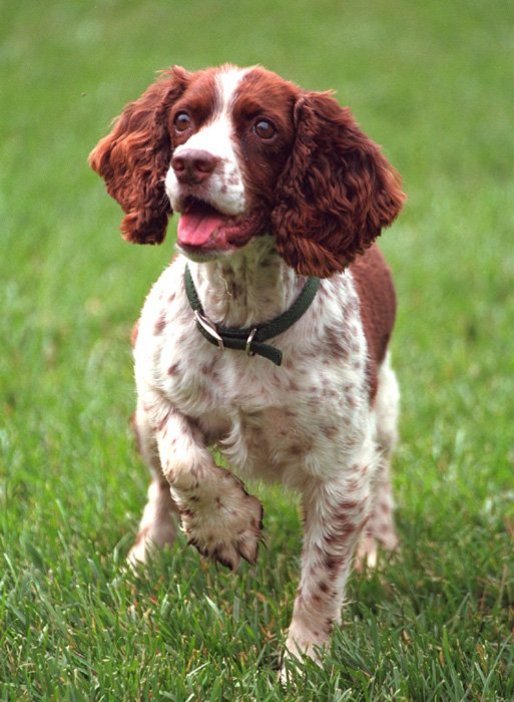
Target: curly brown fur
[336, 192]
[134, 157]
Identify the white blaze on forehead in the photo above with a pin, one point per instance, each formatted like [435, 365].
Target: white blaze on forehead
[216, 135]
[227, 83]
[225, 188]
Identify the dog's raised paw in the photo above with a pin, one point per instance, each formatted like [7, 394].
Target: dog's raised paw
[227, 529]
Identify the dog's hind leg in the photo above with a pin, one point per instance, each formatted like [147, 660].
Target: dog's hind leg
[380, 530]
[158, 523]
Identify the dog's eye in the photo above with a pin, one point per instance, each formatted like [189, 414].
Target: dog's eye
[182, 121]
[264, 129]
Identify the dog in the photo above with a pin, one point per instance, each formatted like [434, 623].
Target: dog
[267, 336]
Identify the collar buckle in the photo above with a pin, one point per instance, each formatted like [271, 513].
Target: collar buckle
[209, 326]
[248, 345]
[244, 339]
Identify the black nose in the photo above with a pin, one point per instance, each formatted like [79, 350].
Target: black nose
[193, 166]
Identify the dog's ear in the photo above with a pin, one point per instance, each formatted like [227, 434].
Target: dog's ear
[336, 193]
[134, 158]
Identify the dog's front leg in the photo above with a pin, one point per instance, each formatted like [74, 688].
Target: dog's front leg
[218, 516]
[335, 513]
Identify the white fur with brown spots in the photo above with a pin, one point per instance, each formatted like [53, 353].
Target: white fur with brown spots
[238, 153]
[309, 424]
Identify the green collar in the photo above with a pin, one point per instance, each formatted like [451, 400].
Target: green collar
[250, 339]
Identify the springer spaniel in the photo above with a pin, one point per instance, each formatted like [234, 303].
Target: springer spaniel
[280, 196]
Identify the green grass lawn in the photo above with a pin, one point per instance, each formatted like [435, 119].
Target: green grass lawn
[431, 81]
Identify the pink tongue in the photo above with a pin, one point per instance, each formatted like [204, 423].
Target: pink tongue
[196, 229]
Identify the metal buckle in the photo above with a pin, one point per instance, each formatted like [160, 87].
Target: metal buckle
[210, 328]
[248, 347]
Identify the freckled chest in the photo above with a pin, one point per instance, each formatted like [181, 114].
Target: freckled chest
[276, 407]
[258, 413]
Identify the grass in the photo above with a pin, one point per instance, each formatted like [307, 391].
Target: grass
[433, 83]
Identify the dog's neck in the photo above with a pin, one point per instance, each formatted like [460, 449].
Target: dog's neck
[252, 285]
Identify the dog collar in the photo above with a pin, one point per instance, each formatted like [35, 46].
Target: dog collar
[250, 339]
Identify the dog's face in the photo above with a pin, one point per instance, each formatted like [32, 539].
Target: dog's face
[231, 133]
[242, 152]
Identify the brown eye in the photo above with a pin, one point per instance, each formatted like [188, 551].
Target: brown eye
[182, 121]
[264, 129]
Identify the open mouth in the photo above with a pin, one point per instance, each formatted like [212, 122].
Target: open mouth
[203, 228]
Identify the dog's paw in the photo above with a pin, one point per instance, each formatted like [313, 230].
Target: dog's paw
[226, 526]
[301, 645]
[150, 538]
[138, 554]
[366, 556]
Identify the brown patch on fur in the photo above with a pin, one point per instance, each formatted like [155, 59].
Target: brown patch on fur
[134, 333]
[349, 505]
[134, 157]
[264, 93]
[160, 325]
[377, 299]
[336, 342]
[208, 368]
[329, 624]
[336, 193]
[353, 484]
[161, 425]
[332, 563]
[330, 432]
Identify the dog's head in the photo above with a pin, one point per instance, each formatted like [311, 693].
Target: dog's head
[242, 152]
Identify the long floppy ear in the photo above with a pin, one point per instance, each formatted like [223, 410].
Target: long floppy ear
[336, 192]
[134, 158]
